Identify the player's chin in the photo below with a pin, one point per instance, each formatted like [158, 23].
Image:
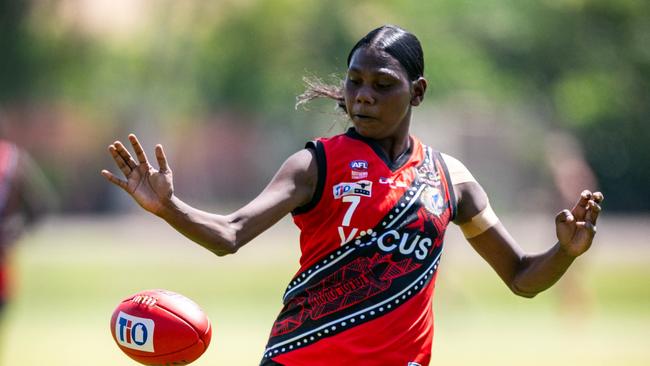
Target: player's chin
[369, 128]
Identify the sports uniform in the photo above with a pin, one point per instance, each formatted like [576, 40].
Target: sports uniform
[371, 239]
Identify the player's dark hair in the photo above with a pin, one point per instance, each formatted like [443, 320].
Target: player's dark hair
[397, 42]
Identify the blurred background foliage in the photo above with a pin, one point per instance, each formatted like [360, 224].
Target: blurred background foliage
[216, 83]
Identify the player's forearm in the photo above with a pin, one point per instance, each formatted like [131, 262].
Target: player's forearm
[539, 272]
[213, 232]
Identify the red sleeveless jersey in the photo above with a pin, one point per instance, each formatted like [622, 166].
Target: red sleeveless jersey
[371, 240]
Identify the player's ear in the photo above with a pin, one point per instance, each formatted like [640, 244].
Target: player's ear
[418, 88]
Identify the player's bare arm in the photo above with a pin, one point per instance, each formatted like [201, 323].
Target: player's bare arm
[292, 186]
[525, 274]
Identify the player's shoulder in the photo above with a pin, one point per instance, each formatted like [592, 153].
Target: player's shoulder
[458, 172]
[471, 198]
[301, 161]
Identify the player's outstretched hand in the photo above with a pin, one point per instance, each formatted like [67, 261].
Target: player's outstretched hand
[149, 187]
[576, 228]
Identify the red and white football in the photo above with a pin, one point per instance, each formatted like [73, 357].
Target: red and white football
[160, 327]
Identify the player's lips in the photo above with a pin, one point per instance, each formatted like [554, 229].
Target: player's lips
[362, 117]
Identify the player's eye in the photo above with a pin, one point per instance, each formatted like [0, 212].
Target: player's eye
[353, 81]
[384, 81]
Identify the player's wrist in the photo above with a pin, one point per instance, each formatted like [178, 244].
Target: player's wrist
[566, 251]
[169, 208]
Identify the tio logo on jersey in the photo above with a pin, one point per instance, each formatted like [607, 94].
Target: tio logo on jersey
[360, 188]
[134, 332]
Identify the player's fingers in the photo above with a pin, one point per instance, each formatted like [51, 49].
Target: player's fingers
[142, 157]
[593, 212]
[583, 237]
[125, 154]
[589, 230]
[162, 159]
[580, 208]
[119, 160]
[598, 197]
[113, 179]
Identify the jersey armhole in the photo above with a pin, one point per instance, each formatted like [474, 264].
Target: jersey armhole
[449, 186]
[321, 166]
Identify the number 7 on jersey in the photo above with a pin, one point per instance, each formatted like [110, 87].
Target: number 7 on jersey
[354, 202]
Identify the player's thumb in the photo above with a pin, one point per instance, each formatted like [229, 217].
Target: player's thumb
[564, 217]
[564, 224]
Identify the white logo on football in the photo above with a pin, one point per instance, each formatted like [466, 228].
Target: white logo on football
[134, 332]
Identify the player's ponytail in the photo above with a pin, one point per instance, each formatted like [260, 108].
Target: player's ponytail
[317, 88]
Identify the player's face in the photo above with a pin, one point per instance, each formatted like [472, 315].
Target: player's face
[378, 94]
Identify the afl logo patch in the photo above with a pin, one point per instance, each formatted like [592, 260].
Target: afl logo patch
[359, 169]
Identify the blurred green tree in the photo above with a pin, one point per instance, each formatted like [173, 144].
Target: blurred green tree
[584, 65]
[590, 61]
[16, 68]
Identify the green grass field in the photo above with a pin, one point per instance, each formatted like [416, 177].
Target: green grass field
[72, 272]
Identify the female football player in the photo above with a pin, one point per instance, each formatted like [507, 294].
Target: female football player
[372, 206]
